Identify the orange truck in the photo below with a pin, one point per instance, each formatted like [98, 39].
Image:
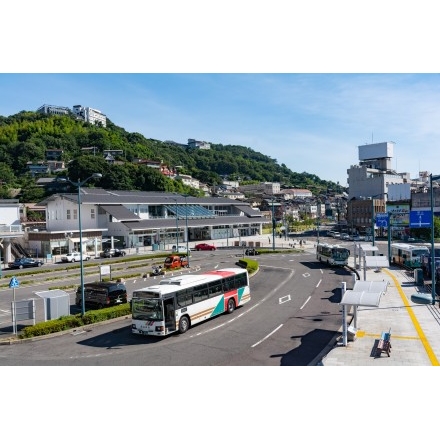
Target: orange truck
[175, 262]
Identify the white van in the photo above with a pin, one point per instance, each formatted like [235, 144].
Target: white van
[180, 249]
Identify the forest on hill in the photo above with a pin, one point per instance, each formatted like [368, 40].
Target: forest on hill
[26, 136]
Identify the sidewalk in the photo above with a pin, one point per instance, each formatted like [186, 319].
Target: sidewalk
[415, 329]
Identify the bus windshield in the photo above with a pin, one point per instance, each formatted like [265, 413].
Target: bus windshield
[340, 253]
[147, 308]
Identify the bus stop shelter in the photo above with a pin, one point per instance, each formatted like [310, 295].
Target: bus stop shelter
[364, 293]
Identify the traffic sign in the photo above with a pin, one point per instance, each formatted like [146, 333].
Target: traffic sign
[420, 219]
[14, 282]
[382, 220]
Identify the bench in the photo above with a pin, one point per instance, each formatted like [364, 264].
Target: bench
[384, 344]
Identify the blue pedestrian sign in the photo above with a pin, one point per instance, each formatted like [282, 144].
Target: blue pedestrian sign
[382, 220]
[420, 219]
[14, 282]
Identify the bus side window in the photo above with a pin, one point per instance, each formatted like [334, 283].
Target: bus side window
[215, 288]
[226, 284]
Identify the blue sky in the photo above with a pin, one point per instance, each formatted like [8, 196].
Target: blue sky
[304, 85]
[309, 122]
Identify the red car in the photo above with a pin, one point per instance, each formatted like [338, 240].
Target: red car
[205, 247]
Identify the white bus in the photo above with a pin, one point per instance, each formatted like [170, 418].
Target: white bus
[176, 303]
[332, 254]
[409, 255]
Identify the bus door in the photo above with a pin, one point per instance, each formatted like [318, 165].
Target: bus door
[170, 315]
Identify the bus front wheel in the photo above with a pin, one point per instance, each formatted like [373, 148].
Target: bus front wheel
[231, 306]
[183, 324]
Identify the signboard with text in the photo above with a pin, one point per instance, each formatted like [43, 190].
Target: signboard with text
[399, 214]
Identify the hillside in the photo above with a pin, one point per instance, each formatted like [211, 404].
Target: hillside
[26, 137]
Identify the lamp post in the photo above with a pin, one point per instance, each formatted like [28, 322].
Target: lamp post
[373, 216]
[177, 224]
[389, 237]
[186, 226]
[318, 215]
[79, 184]
[433, 274]
[273, 227]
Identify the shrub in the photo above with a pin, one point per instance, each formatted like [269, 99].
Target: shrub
[71, 322]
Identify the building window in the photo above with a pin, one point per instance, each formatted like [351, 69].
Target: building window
[75, 214]
[68, 214]
[92, 213]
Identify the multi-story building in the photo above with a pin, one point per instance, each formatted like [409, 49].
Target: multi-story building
[201, 145]
[373, 174]
[91, 115]
[87, 114]
[53, 110]
[373, 185]
[261, 188]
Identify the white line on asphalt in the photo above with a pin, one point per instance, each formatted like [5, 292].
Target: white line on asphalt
[270, 334]
[307, 300]
[318, 283]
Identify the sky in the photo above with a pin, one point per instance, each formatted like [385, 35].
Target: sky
[307, 102]
[312, 123]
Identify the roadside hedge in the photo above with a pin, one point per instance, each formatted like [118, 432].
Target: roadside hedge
[74, 321]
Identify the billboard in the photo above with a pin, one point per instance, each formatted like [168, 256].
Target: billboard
[399, 214]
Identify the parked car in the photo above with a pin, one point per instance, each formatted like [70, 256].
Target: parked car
[71, 257]
[205, 247]
[109, 253]
[102, 294]
[21, 263]
[180, 249]
[175, 262]
[251, 251]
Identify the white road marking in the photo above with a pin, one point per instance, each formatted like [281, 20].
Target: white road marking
[269, 335]
[318, 283]
[307, 300]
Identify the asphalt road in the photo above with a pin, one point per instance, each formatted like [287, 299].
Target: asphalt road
[293, 315]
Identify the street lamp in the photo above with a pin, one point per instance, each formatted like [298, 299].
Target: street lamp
[79, 184]
[318, 215]
[433, 274]
[273, 227]
[177, 224]
[186, 226]
[373, 216]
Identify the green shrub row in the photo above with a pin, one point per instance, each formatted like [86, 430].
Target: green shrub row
[74, 321]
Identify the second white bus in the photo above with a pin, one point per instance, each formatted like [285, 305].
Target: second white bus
[176, 303]
[332, 254]
[409, 255]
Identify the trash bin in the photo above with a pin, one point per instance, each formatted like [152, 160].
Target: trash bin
[155, 247]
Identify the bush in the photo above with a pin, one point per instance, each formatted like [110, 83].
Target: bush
[71, 322]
